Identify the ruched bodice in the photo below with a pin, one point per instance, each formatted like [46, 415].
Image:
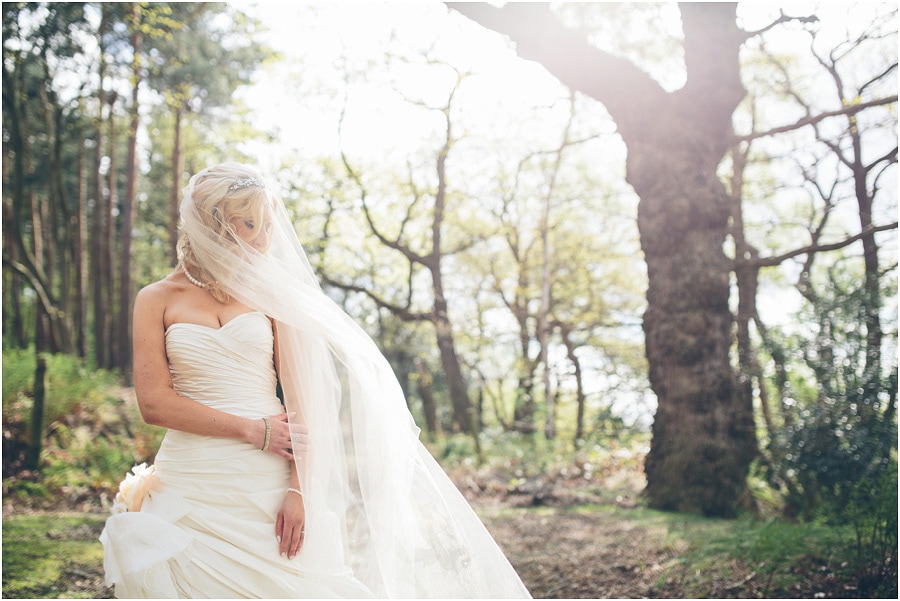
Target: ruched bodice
[229, 368]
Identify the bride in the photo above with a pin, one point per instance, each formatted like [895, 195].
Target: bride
[321, 491]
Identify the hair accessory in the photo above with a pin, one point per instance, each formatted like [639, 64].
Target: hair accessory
[245, 183]
[296, 490]
[265, 446]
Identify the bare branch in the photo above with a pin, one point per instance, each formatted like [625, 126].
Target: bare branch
[877, 78]
[812, 120]
[403, 313]
[815, 248]
[393, 244]
[889, 157]
[783, 18]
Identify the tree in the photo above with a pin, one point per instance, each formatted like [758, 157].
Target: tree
[833, 428]
[428, 255]
[39, 125]
[703, 433]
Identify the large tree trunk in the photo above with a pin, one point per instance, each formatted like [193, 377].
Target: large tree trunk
[703, 435]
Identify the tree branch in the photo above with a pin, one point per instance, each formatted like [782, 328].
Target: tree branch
[812, 120]
[783, 18]
[814, 248]
[403, 313]
[539, 36]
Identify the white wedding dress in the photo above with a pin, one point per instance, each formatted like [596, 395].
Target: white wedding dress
[206, 529]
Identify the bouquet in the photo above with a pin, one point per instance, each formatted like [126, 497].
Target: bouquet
[134, 488]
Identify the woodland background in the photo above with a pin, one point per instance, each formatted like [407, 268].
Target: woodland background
[642, 255]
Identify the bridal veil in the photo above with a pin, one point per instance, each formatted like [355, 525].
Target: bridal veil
[379, 509]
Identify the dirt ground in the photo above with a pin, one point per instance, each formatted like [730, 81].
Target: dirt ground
[558, 554]
[565, 539]
[565, 555]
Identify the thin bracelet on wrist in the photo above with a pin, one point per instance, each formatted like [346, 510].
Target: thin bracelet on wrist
[296, 490]
[265, 446]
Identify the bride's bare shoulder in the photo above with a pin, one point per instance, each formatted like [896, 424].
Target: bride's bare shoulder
[159, 293]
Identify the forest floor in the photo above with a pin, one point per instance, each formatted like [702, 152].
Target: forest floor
[571, 540]
[567, 539]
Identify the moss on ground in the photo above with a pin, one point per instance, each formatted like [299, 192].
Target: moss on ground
[53, 556]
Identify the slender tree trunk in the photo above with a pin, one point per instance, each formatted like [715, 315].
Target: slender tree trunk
[459, 394]
[56, 214]
[544, 322]
[546, 276]
[44, 333]
[523, 413]
[17, 207]
[99, 236]
[12, 311]
[177, 174]
[33, 461]
[747, 275]
[579, 382]
[128, 204]
[872, 284]
[426, 393]
[109, 254]
[79, 242]
[450, 362]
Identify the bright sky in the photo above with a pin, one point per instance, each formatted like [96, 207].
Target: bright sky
[317, 40]
[314, 37]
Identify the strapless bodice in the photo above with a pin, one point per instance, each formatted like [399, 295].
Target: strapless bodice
[230, 368]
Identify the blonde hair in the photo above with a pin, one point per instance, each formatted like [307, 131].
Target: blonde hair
[216, 201]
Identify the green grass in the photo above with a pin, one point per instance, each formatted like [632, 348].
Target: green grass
[773, 556]
[44, 555]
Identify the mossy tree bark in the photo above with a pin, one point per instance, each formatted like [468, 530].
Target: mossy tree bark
[703, 434]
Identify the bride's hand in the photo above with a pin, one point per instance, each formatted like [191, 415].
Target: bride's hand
[290, 525]
[284, 437]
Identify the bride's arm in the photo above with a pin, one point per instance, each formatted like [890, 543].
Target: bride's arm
[160, 405]
[290, 524]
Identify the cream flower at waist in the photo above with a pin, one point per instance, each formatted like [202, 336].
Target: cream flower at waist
[134, 488]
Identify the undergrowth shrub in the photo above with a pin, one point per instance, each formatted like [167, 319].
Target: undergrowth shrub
[525, 457]
[70, 386]
[92, 436]
[834, 459]
[872, 512]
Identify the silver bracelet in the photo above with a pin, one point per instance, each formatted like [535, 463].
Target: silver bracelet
[265, 446]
